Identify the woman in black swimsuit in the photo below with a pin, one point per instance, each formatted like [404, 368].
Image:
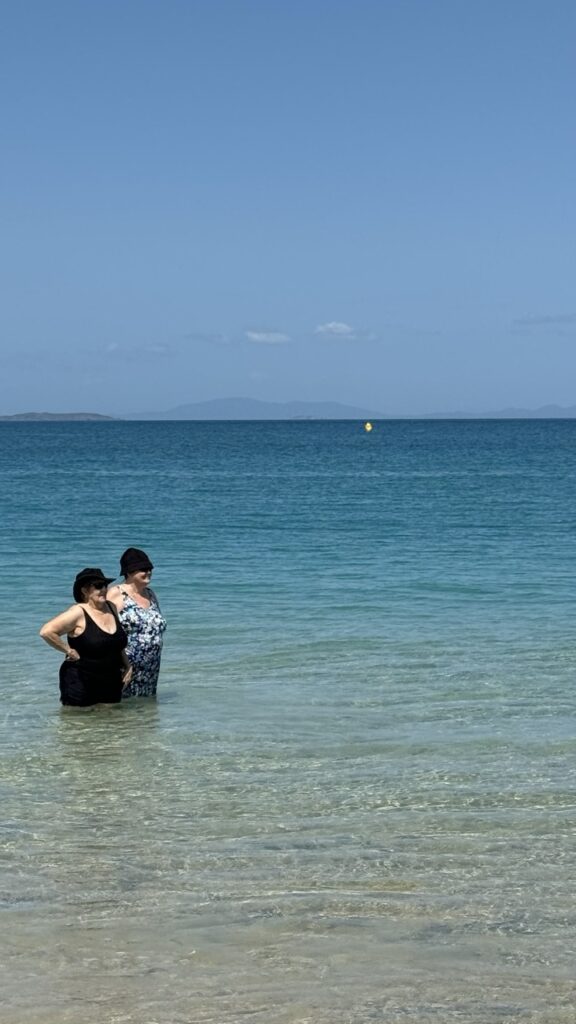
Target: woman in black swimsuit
[96, 667]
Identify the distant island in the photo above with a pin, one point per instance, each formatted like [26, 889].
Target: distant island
[219, 409]
[47, 416]
[253, 409]
[544, 412]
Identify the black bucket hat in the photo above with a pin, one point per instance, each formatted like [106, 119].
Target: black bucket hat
[87, 576]
[134, 560]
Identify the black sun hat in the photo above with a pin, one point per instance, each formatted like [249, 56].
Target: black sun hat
[87, 576]
[134, 560]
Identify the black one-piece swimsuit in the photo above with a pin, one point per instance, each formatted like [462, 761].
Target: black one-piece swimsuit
[96, 678]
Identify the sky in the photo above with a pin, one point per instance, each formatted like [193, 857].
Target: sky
[363, 201]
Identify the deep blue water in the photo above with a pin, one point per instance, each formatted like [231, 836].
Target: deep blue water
[354, 798]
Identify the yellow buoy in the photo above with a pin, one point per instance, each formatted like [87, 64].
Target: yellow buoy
[368, 427]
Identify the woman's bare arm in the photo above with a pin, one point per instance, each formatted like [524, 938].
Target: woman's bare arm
[126, 669]
[55, 629]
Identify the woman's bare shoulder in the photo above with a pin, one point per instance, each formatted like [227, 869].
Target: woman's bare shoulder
[65, 621]
[116, 595]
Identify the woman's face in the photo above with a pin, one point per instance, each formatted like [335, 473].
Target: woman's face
[141, 578]
[96, 593]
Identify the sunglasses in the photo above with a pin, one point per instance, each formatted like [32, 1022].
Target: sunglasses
[99, 586]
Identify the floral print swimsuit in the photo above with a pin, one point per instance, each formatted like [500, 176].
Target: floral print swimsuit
[145, 628]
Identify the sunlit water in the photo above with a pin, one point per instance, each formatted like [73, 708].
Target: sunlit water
[355, 797]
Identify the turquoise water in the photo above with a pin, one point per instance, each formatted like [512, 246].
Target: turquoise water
[355, 798]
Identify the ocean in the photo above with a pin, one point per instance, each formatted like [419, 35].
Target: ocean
[354, 799]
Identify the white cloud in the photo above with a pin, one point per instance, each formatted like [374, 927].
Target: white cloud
[267, 337]
[336, 329]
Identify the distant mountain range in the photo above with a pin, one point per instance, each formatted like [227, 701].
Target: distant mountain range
[44, 416]
[545, 412]
[252, 409]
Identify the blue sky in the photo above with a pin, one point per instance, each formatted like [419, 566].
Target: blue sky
[369, 201]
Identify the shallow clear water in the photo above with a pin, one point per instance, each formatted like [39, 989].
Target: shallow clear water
[355, 798]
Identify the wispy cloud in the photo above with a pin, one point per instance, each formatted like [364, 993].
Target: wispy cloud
[75, 359]
[208, 337]
[345, 332]
[141, 353]
[336, 329]
[157, 348]
[261, 337]
[546, 320]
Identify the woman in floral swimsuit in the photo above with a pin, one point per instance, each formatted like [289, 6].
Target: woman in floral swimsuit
[140, 615]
